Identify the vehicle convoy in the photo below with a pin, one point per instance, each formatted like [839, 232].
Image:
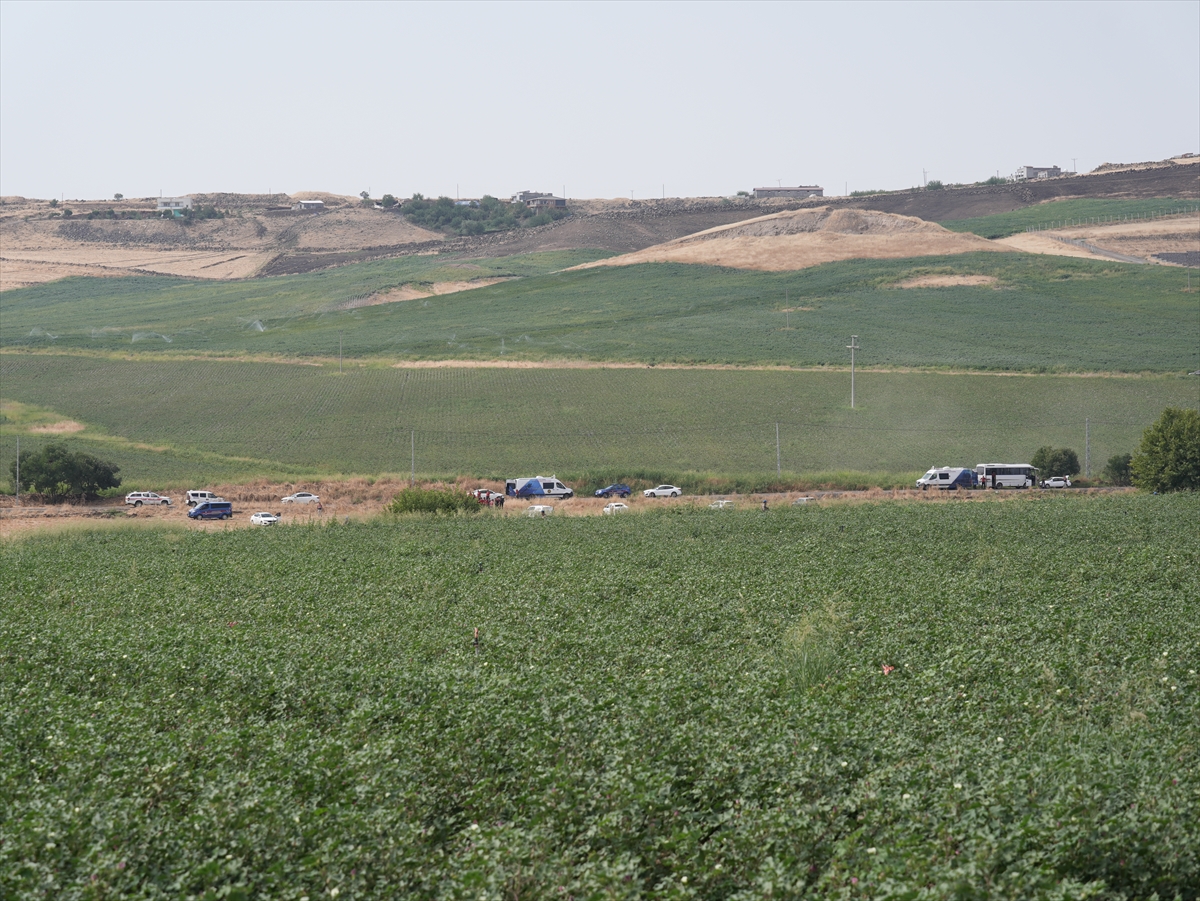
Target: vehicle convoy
[949, 478]
[137, 498]
[537, 486]
[663, 491]
[211, 510]
[1006, 475]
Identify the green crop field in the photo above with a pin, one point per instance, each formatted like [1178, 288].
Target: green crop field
[1064, 213]
[669, 705]
[1043, 313]
[212, 420]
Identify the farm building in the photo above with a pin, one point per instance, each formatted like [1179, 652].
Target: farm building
[174, 205]
[535, 199]
[313, 206]
[1028, 172]
[800, 192]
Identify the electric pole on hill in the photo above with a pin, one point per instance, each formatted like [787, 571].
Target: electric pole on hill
[852, 347]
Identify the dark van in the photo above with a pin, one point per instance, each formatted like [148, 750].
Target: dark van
[211, 510]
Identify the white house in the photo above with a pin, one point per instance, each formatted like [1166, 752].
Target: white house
[1028, 172]
[174, 205]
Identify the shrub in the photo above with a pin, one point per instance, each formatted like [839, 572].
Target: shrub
[934, 185]
[1060, 461]
[58, 473]
[388, 201]
[995, 180]
[432, 500]
[1168, 458]
[1117, 471]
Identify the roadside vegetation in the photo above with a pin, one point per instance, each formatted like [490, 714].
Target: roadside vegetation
[823, 701]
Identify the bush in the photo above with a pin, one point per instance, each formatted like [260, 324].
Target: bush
[995, 180]
[1117, 471]
[934, 185]
[1168, 458]
[432, 500]
[1051, 461]
[58, 473]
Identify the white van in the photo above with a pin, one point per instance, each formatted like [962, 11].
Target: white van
[538, 486]
[198, 497]
[948, 478]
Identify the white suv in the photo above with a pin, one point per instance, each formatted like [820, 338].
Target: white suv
[137, 498]
[198, 497]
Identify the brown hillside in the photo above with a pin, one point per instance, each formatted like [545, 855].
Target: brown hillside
[797, 239]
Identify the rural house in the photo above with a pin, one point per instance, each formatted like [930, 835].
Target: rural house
[800, 192]
[536, 200]
[312, 206]
[1027, 172]
[174, 205]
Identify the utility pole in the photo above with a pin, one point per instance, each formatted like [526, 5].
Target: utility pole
[1087, 448]
[852, 346]
[924, 177]
[778, 459]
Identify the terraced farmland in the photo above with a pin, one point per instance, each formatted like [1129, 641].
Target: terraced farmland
[175, 423]
[956, 700]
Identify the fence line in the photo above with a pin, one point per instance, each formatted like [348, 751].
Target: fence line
[1111, 220]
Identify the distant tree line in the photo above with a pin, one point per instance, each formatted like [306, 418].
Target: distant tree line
[57, 473]
[489, 214]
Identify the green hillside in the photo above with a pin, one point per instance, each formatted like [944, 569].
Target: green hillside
[216, 418]
[1063, 213]
[1043, 313]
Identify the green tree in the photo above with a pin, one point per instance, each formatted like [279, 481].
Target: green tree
[388, 201]
[366, 197]
[54, 202]
[58, 472]
[934, 185]
[67, 214]
[1055, 461]
[1168, 458]
[1117, 471]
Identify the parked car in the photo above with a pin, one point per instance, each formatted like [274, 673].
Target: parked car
[137, 498]
[196, 497]
[801, 501]
[721, 505]
[211, 510]
[539, 510]
[662, 491]
[264, 519]
[488, 498]
[617, 490]
[615, 507]
[302, 497]
[1057, 482]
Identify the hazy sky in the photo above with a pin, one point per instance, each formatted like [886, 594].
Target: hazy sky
[602, 98]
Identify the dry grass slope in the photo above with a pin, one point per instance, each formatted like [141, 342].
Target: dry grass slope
[798, 239]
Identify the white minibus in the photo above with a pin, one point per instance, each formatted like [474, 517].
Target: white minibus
[1006, 475]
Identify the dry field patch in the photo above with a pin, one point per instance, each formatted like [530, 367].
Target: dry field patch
[798, 239]
[947, 281]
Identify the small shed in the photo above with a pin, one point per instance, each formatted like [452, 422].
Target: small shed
[312, 206]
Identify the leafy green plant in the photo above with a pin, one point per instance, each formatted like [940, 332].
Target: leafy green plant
[1055, 461]
[432, 500]
[1117, 471]
[1168, 458]
[57, 472]
[296, 712]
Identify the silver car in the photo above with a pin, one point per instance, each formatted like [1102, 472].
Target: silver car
[302, 497]
[662, 491]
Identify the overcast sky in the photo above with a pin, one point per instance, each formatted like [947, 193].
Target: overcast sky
[603, 99]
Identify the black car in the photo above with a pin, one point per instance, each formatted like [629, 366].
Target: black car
[615, 491]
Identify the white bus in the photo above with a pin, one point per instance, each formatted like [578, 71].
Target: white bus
[1006, 475]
